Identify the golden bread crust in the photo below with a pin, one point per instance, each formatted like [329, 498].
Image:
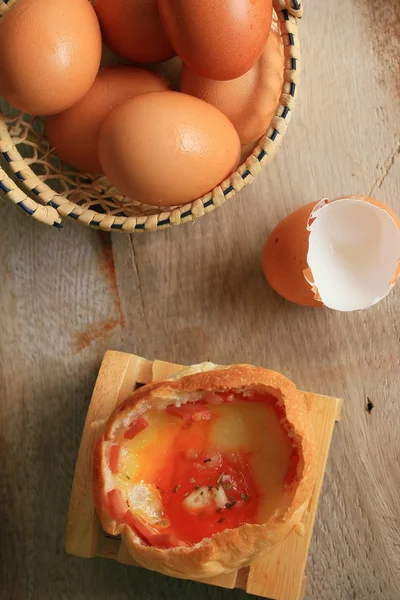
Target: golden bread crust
[233, 548]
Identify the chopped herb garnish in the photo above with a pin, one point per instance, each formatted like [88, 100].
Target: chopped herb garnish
[227, 486]
[127, 476]
[221, 520]
[219, 510]
[207, 460]
[196, 487]
[176, 488]
[210, 487]
[230, 505]
[245, 497]
[202, 492]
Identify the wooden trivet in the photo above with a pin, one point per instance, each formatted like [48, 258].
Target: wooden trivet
[279, 575]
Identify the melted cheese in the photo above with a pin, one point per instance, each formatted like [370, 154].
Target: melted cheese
[173, 473]
[254, 428]
[143, 456]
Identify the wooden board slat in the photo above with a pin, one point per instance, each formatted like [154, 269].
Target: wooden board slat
[266, 578]
[280, 575]
[82, 529]
[162, 369]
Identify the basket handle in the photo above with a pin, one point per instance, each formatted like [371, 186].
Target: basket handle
[10, 191]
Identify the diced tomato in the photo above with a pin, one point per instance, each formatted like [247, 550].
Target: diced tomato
[164, 540]
[113, 457]
[116, 504]
[149, 534]
[192, 411]
[143, 530]
[135, 428]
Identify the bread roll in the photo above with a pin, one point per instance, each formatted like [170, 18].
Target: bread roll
[207, 470]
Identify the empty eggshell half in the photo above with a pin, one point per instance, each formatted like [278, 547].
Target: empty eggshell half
[353, 252]
[346, 251]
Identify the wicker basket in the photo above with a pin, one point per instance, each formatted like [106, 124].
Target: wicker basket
[47, 189]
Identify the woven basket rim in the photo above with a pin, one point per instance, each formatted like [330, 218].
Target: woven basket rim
[51, 206]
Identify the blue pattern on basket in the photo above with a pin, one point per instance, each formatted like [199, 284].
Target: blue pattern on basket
[21, 204]
[187, 213]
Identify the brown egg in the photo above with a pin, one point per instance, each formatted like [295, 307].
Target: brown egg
[49, 54]
[167, 148]
[74, 133]
[285, 258]
[250, 101]
[132, 28]
[219, 40]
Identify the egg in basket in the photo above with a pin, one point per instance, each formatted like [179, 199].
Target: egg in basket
[120, 148]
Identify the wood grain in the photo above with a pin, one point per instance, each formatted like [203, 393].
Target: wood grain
[197, 292]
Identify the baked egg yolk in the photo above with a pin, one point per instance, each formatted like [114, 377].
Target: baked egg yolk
[188, 472]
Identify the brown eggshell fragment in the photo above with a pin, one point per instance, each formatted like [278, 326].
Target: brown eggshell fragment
[284, 258]
[343, 254]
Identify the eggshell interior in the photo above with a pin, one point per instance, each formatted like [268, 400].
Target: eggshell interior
[353, 253]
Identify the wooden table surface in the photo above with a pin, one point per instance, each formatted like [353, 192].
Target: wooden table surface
[195, 293]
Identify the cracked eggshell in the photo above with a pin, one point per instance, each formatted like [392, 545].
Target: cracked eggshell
[343, 254]
[285, 258]
[354, 252]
